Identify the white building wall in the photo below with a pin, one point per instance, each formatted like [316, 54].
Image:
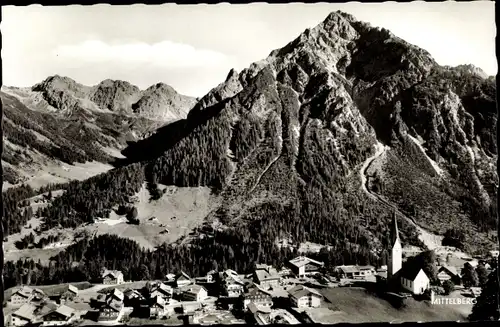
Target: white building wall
[396, 261]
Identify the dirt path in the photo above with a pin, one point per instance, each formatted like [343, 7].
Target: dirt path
[257, 181]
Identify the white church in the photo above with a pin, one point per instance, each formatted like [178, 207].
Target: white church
[408, 276]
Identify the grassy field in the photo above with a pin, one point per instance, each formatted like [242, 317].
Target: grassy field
[179, 211]
[356, 305]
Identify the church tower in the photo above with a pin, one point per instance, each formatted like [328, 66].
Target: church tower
[396, 251]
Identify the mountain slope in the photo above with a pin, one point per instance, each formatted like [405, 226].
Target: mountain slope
[60, 120]
[283, 145]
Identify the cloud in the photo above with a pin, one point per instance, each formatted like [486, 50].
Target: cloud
[166, 53]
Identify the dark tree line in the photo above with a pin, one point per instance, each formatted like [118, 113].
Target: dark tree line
[86, 200]
[28, 241]
[199, 159]
[14, 216]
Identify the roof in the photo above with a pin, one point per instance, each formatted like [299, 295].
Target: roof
[162, 288]
[348, 269]
[37, 290]
[230, 272]
[233, 280]
[261, 266]
[129, 292]
[115, 305]
[113, 273]
[183, 275]
[410, 271]
[24, 291]
[73, 289]
[254, 308]
[195, 289]
[158, 300]
[65, 311]
[46, 308]
[26, 312]
[394, 230]
[263, 275]
[254, 289]
[302, 261]
[450, 269]
[367, 267]
[382, 274]
[117, 294]
[300, 291]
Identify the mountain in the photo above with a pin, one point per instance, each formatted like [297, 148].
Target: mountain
[323, 141]
[60, 120]
[64, 95]
[294, 129]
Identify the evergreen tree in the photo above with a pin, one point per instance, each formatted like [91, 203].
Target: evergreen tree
[487, 305]
[482, 274]
[469, 276]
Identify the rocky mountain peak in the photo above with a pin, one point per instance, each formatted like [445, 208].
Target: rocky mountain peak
[58, 82]
[115, 95]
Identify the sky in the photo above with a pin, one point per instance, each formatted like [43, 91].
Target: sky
[193, 47]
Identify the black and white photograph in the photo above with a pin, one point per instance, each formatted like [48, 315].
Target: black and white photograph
[251, 163]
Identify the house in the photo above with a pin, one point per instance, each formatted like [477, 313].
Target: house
[367, 271]
[63, 315]
[21, 296]
[258, 296]
[449, 273]
[111, 311]
[24, 315]
[414, 279]
[157, 307]
[70, 293]
[410, 277]
[38, 295]
[303, 266]
[112, 308]
[116, 295]
[211, 276]
[195, 293]
[131, 294]
[266, 276]
[170, 277]
[233, 286]
[112, 277]
[183, 279]
[161, 290]
[304, 297]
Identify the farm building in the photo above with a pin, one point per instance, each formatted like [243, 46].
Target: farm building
[112, 277]
[303, 266]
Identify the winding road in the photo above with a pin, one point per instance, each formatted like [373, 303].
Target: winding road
[430, 240]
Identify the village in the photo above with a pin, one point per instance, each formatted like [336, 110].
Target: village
[301, 292]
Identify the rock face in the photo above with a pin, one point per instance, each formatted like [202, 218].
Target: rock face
[294, 129]
[65, 96]
[162, 102]
[117, 96]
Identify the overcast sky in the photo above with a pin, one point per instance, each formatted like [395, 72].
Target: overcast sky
[193, 47]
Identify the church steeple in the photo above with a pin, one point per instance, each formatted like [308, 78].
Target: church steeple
[394, 230]
[396, 250]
